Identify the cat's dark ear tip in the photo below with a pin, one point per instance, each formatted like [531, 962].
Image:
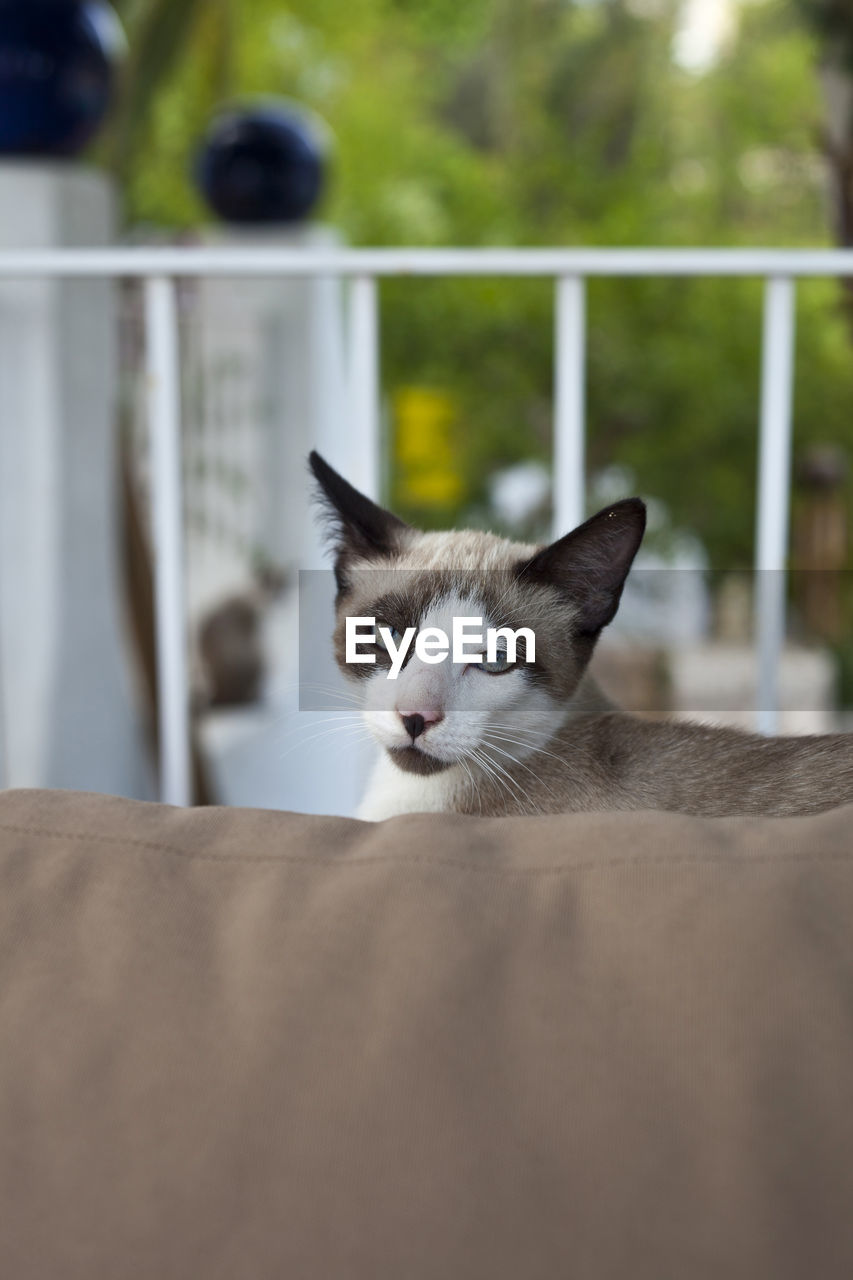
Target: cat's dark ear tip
[635, 505]
[326, 486]
[631, 511]
[328, 481]
[317, 465]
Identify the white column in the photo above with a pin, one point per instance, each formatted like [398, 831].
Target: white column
[70, 714]
[281, 341]
[569, 404]
[774, 480]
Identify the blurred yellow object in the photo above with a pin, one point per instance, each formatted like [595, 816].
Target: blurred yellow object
[428, 474]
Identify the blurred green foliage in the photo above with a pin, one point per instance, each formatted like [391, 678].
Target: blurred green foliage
[545, 123]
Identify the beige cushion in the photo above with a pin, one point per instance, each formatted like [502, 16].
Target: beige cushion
[250, 1045]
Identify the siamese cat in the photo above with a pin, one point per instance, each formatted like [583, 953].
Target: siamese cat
[529, 732]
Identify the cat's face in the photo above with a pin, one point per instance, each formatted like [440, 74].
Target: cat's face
[432, 715]
[461, 705]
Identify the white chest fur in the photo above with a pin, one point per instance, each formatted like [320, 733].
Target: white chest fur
[391, 792]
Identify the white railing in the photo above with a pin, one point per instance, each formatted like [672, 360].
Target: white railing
[569, 268]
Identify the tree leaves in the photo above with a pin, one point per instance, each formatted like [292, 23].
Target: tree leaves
[159, 43]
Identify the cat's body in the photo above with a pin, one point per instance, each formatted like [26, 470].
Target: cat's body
[616, 761]
[536, 735]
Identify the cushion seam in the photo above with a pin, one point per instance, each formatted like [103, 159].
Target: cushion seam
[395, 859]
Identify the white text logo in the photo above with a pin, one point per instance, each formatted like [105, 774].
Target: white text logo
[433, 645]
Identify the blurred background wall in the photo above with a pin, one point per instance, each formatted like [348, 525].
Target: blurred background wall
[554, 122]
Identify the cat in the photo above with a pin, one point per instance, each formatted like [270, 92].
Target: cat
[228, 659]
[535, 734]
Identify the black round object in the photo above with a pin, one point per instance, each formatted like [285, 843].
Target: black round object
[263, 164]
[57, 73]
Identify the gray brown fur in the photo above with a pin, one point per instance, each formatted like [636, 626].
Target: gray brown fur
[612, 761]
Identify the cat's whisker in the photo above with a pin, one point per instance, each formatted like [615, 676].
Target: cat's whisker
[344, 694]
[510, 792]
[486, 768]
[565, 747]
[518, 789]
[350, 734]
[340, 698]
[341, 730]
[297, 718]
[350, 740]
[310, 686]
[475, 789]
[330, 714]
[305, 726]
[284, 755]
[515, 783]
[495, 771]
[522, 765]
[532, 735]
[531, 747]
[522, 729]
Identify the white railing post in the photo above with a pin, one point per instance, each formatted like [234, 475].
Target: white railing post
[774, 478]
[569, 402]
[161, 317]
[363, 386]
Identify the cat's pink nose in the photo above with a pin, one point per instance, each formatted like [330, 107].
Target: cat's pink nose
[418, 722]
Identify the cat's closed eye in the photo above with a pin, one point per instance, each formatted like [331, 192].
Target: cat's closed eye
[389, 641]
[396, 636]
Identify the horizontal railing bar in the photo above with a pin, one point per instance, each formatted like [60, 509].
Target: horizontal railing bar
[184, 262]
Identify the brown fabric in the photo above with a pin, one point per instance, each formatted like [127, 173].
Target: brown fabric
[250, 1045]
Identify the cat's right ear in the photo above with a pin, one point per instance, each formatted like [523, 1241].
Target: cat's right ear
[589, 565]
[357, 527]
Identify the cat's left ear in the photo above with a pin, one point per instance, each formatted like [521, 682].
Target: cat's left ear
[590, 564]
